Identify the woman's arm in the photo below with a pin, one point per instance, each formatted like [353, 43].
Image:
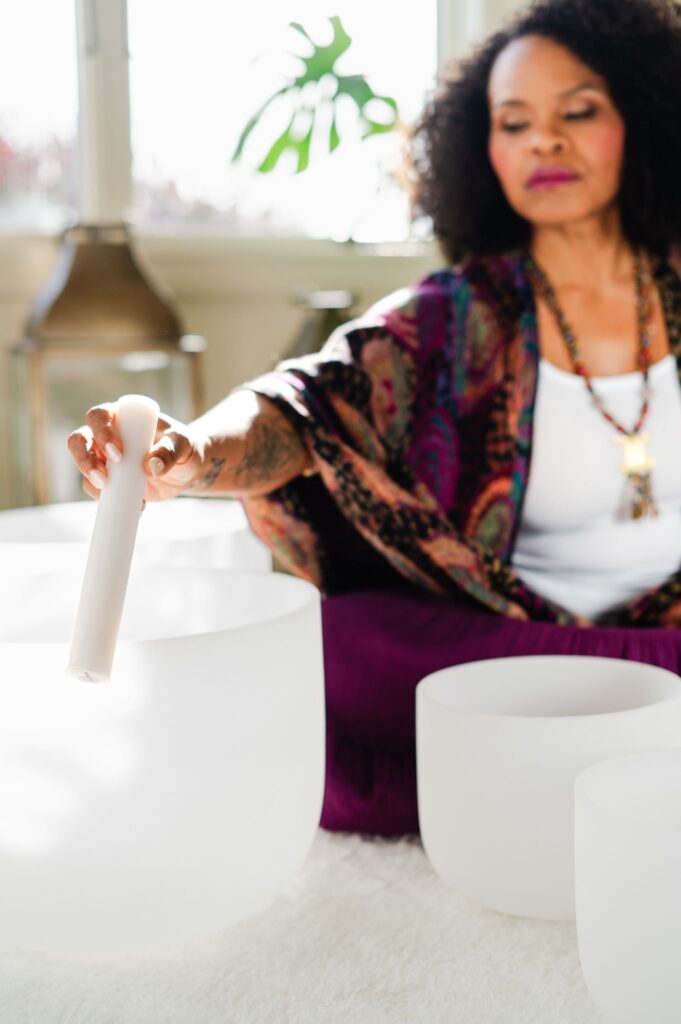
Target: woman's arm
[243, 446]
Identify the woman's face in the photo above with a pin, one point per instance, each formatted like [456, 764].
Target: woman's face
[556, 139]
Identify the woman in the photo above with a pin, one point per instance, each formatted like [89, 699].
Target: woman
[445, 469]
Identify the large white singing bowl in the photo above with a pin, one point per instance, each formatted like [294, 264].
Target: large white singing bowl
[627, 857]
[180, 796]
[499, 744]
[198, 532]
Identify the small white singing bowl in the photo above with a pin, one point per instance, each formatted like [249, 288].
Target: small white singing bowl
[627, 858]
[194, 532]
[178, 797]
[499, 744]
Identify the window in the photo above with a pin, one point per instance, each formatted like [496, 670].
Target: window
[199, 70]
[38, 115]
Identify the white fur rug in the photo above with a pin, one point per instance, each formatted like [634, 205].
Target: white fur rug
[366, 934]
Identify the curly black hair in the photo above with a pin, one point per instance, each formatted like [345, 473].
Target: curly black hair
[635, 45]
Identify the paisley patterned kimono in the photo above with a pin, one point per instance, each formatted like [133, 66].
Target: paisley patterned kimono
[419, 418]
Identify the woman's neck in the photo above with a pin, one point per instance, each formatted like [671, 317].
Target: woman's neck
[590, 254]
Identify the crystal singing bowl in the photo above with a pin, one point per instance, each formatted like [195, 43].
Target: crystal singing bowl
[498, 746]
[198, 532]
[180, 796]
[627, 857]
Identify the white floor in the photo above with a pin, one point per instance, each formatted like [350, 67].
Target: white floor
[367, 934]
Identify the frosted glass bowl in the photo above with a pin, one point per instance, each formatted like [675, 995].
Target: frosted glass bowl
[499, 744]
[627, 857]
[177, 798]
[198, 532]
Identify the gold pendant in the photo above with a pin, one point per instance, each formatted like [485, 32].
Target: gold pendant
[636, 467]
[642, 501]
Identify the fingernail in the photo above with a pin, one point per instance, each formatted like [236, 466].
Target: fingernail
[156, 466]
[97, 479]
[113, 453]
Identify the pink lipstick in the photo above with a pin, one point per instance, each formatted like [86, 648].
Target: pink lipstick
[548, 177]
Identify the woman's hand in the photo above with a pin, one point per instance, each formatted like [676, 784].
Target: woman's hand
[172, 465]
[243, 446]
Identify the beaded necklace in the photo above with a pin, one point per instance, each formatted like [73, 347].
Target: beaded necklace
[637, 464]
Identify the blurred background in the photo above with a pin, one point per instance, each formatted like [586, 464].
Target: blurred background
[191, 190]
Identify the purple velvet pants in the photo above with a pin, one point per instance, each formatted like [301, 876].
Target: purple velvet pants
[378, 644]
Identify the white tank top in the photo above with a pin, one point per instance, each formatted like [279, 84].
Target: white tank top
[576, 543]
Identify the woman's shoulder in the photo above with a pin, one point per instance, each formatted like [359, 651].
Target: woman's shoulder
[448, 298]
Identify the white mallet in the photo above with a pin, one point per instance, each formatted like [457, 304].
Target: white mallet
[113, 541]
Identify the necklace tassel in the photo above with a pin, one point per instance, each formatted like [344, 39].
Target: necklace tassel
[642, 501]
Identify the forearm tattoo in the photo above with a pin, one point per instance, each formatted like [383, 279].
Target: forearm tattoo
[213, 473]
[271, 447]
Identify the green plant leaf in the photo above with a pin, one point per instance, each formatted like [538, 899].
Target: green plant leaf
[253, 121]
[287, 142]
[376, 128]
[357, 88]
[299, 28]
[278, 148]
[323, 58]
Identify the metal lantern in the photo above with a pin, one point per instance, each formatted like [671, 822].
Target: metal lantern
[327, 309]
[99, 328]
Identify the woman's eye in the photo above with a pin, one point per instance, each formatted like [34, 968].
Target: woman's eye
[517, 127]
[579, 115]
